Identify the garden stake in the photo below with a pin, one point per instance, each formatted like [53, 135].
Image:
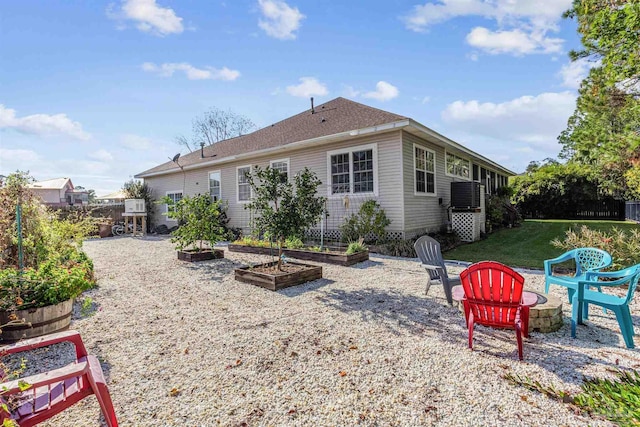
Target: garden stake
[19, 222]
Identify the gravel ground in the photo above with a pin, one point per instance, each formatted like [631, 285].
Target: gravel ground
[185, 344]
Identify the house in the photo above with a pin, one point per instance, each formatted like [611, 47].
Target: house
[358, 152]
[59, 192]
[112, 198]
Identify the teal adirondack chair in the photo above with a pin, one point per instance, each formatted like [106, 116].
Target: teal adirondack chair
[620, 306]
[586, 260]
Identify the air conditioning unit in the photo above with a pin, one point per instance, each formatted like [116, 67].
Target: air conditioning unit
[135, 206]
[465, 195]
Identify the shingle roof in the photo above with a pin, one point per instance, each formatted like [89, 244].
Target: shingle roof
[335, 116]
[50, 184]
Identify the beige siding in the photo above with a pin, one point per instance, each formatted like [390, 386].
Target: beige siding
[389, 180]
[423, 212]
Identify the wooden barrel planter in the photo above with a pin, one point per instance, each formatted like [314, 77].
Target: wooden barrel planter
[44, 320]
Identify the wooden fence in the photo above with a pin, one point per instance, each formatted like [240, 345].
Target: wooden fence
[112, 211]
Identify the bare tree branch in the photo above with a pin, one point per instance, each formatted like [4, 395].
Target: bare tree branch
[214, 126]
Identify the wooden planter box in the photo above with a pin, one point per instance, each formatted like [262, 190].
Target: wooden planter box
[338, 258]
[44, 320]
[193, 255]
[276, 282]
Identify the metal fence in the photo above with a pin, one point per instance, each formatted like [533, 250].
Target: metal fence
[598, 210]
[632, 210]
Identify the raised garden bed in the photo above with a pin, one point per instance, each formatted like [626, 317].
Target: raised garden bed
[332, 257]
[264, 276]
[193, 255]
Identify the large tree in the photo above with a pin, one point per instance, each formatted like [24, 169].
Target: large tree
[215, 125]
[603, 132]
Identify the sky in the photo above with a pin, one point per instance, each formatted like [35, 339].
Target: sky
[98, 91]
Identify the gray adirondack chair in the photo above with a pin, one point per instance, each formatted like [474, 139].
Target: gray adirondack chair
[428, 250]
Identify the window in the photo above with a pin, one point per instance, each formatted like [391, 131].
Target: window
[283, 167]
[340, 174]
[363, 171]
[175, 196]
[476, 173]
[214, 186]
[424, 162]
[244, 189]
[457, 166]
[353, 172]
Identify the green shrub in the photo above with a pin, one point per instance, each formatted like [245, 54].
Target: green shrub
[624, 247]
[368, 224]
[56, 280]
[617, 400]
[355, 247]
[55, 268]
[293, 243]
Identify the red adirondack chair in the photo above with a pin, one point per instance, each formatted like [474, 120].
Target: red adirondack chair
[54, 391]
[493, 297]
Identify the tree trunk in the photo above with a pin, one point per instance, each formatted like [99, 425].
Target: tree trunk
[280, 251]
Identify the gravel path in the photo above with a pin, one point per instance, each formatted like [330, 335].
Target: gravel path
[185, 344]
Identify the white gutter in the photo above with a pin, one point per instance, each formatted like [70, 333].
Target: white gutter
[283, 148]
[457, 146]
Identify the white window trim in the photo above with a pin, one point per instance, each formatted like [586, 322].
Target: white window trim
[166, 207]
[209, 181]
[283, 161]
[435, 175]
[238, 185]
[446, 169]
[350, 150]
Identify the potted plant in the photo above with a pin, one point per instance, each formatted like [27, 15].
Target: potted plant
[284, 209]
[42, 265]
[199, 220]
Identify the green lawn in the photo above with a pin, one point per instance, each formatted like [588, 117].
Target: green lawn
[528, 245]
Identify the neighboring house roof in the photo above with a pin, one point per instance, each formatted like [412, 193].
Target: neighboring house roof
[339, 118]
[115, 195]
[51, 184]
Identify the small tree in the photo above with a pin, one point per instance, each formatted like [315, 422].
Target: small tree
[199, 218]
[285, 209]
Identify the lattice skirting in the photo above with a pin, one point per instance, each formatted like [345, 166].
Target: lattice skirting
[467, 225]
[314, 234]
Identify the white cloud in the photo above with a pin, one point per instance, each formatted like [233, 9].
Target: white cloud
[135, 142]
[309, 86]
[574, 72]
[279, 20]
[522, 25]
[101, 155]
[384, 92]
[517, 42]
[41, 124]
[535, 120]
[426, 99]
[149, 17]
[192, 73]
[16, 156]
